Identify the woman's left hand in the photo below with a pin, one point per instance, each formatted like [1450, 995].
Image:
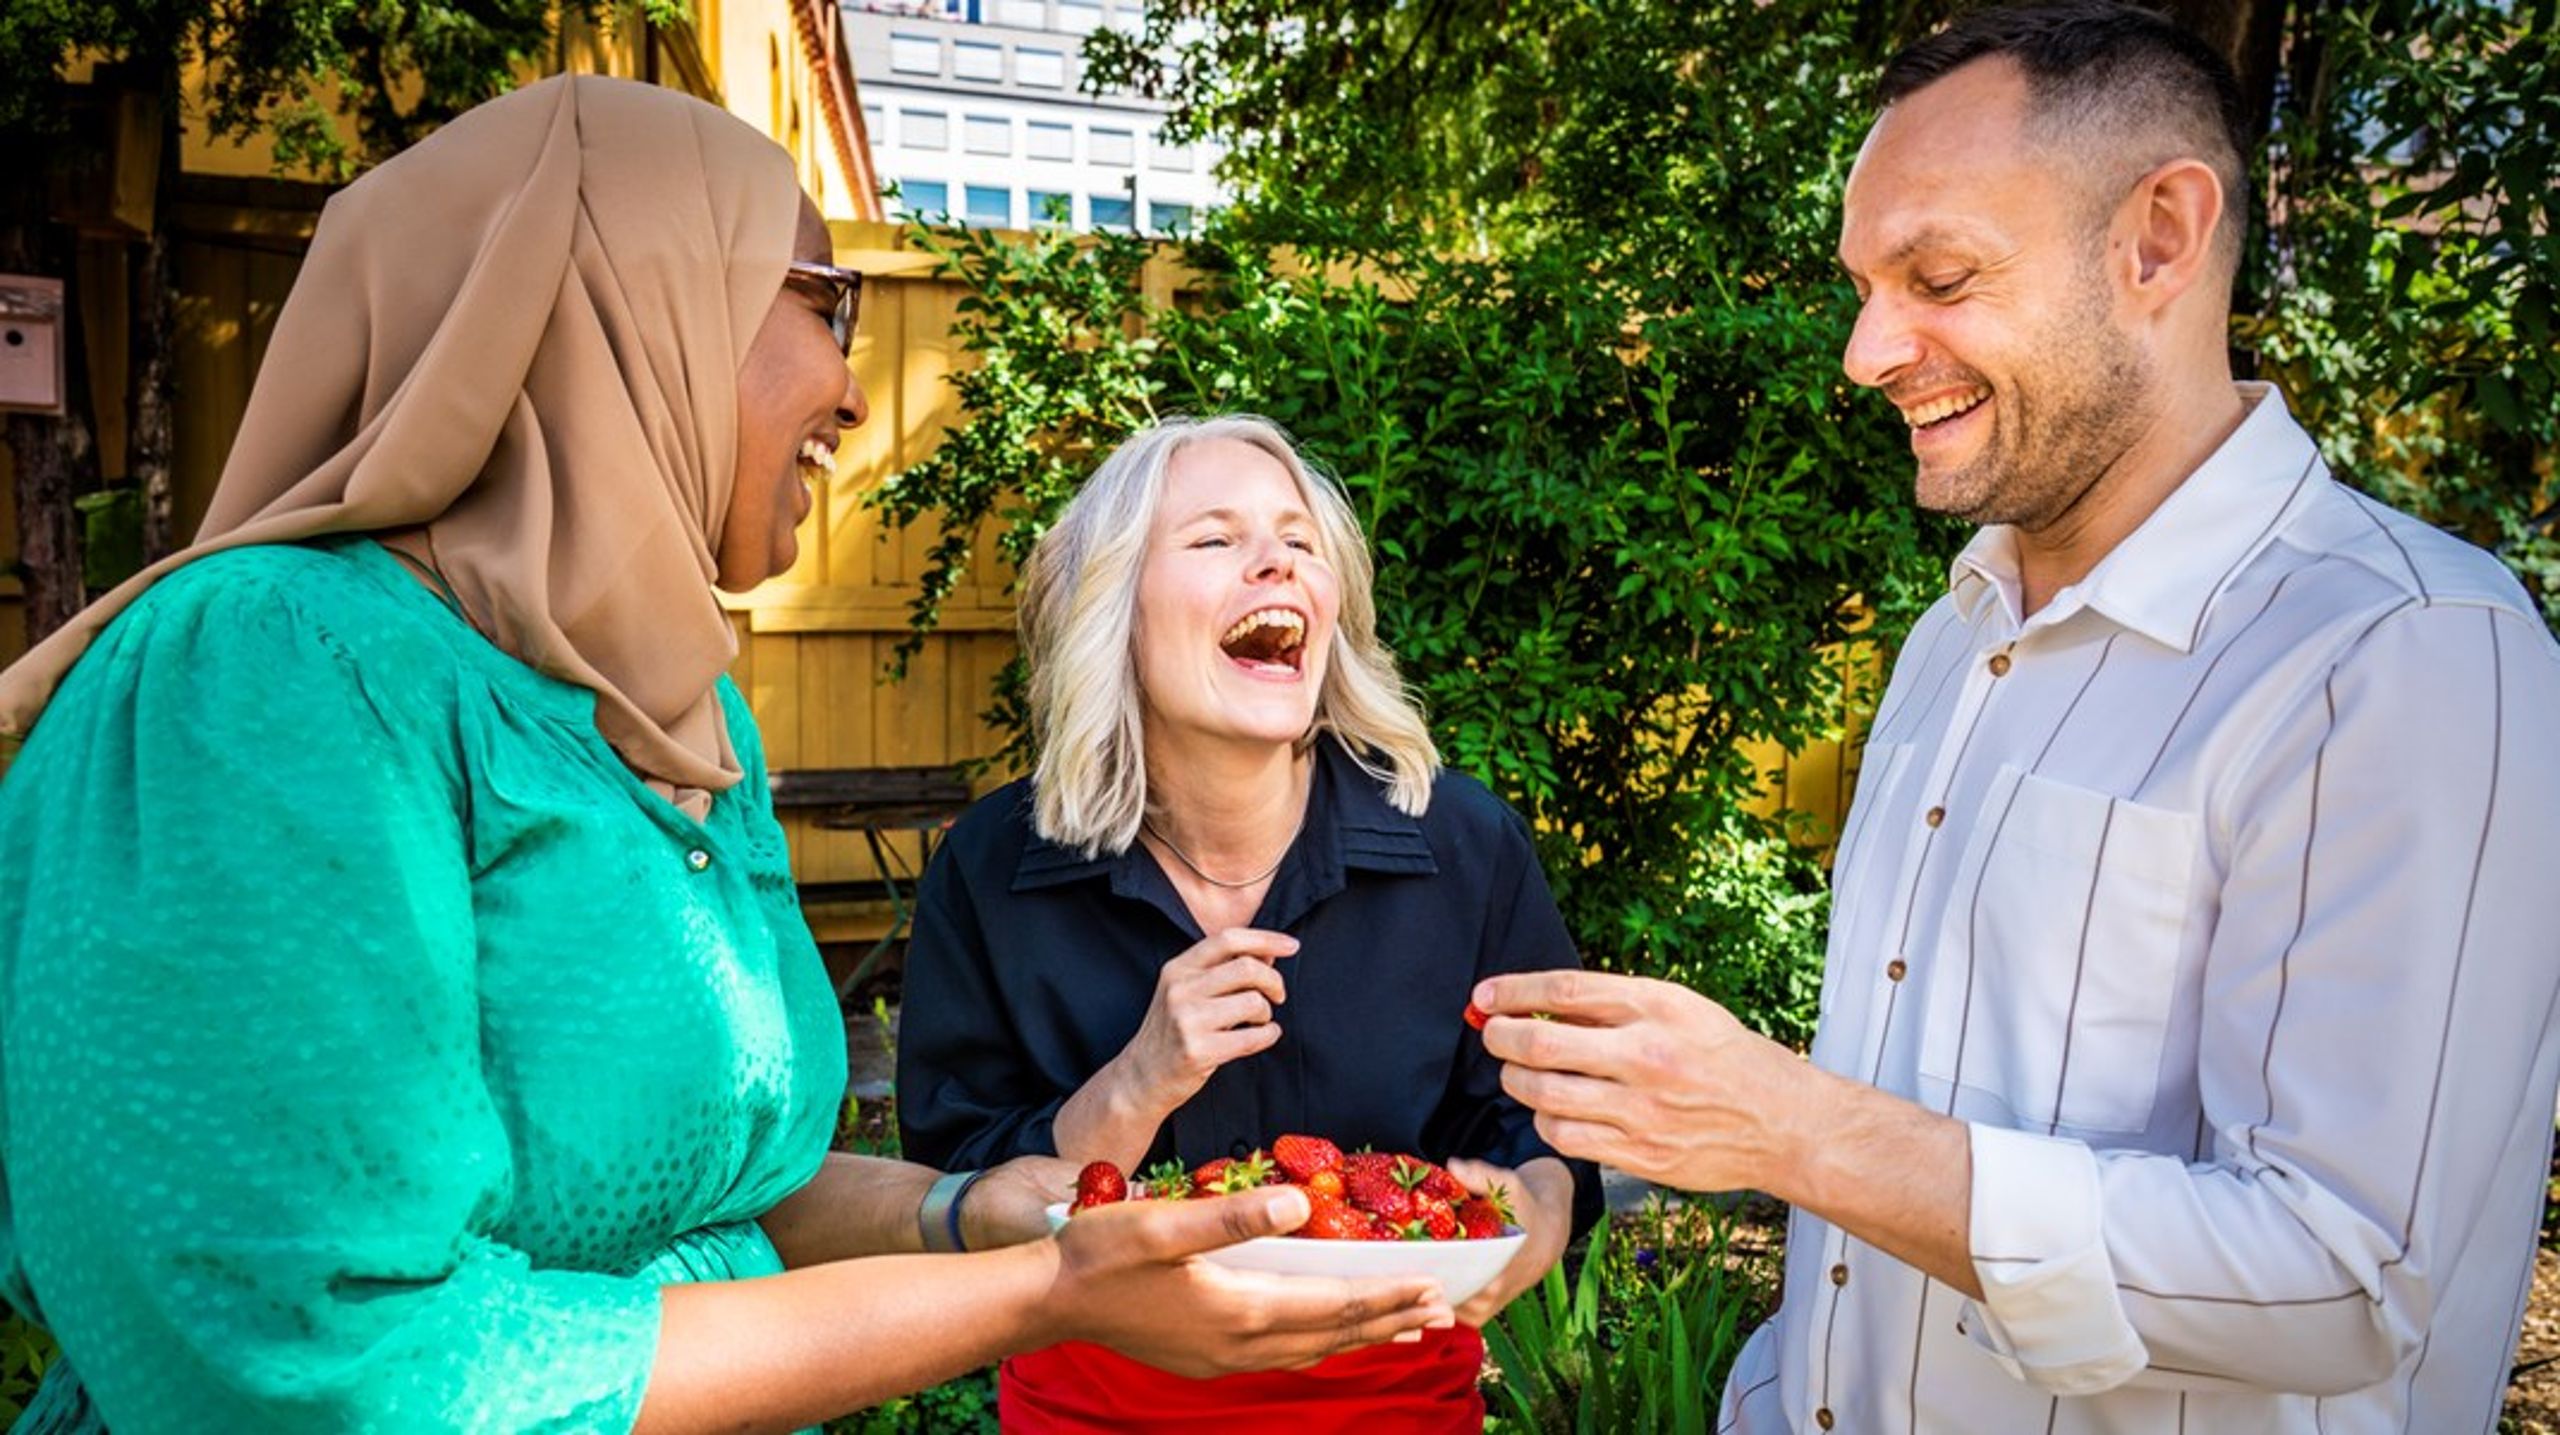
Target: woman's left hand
[1541, 1198]
[1010, 1204]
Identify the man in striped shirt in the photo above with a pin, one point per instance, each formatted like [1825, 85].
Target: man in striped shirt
[2186, 1056]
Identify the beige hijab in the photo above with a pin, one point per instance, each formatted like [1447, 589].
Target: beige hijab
[524, 335]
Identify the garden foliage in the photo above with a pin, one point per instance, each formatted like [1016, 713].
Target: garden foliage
[1622, 499]
[1637, 1336]
[1551, 290]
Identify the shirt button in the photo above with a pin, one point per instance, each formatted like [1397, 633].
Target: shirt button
[1840, 1275]
[1999, 665]
[1894, 969]
[1934, 816]
[1822, 1417]
[698, 860]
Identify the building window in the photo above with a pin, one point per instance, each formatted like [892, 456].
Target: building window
[924, 129]
[1042, 140]
[971, 61]
[875, 123]
[1040, 69]
[1051, 210]
[1129, 17]
[1113, 213]
[915, 54]
[1079, 17]
[1028, 14]
[990, 207]
[923, 199]
[1114, 147]
[987, 134]
[1169, 156]
[1169, 218]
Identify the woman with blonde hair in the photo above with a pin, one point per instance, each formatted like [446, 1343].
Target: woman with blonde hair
[1238, 897]
[409, 1021]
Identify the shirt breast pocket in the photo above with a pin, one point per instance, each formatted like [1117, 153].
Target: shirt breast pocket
[2058, 956]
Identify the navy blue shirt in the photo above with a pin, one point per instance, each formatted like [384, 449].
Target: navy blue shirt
[1031, 966]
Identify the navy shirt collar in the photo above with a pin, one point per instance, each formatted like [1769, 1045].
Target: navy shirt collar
[1350, 827]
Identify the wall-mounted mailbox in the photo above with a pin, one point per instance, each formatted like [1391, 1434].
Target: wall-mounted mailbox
[31, 322]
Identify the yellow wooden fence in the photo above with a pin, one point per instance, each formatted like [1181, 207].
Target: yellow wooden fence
[814, 643]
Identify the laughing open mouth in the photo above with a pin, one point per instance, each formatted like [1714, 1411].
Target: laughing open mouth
[1270, 640]
[1938, 411]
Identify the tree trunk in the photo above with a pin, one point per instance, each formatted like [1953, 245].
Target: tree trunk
[56, 459]
[2250, 34]
[154, 349]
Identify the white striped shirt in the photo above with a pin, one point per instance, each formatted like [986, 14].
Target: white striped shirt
[2217, 897]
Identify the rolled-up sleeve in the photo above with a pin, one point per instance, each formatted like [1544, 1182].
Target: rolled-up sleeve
[2375, 1057]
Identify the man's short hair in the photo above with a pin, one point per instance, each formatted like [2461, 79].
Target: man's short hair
[2099, 73]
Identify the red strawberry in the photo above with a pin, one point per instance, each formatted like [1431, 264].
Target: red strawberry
[1226, 1176]
[1477, 1016]
[1325, 1183]
[1381, 1162]
[1434, 1216]
[1099, 1184]
[1333, 1221]
[1481, 1218]
[1430, 1180]
[1302, 1157]
[1378, 1192]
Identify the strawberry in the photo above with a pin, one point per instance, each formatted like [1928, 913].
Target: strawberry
[1226, 1176]
[1099, 1184]
[1325, 1183]
[1436, 1182]
[1481, 1218]
[1167, 1181]
[1377, 1191]
[1434, 1217]
[1333, 1221]
[1304, 1156]
[1477, 1016]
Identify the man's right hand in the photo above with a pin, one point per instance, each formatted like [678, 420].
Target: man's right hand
[1131, 1277]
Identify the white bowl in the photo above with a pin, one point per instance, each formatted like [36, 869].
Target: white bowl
[1462, 1267]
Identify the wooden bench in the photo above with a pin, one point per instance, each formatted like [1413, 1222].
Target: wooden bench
[876, 802]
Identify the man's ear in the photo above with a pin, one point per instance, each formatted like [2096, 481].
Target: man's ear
[2171, 218]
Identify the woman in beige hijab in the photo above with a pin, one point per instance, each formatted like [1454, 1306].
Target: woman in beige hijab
[408, 1019]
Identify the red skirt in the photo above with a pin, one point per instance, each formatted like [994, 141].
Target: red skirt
[1080, 1389]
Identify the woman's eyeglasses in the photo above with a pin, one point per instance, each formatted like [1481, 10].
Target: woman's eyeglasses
[846, 285]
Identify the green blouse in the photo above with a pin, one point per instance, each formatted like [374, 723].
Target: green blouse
[373, 1045]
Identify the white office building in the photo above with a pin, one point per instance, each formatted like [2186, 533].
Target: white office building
[974, 110]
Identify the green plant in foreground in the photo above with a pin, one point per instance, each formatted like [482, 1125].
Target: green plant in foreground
[1639, 1338]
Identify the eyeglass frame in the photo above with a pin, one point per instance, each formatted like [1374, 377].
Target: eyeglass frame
[848, 305]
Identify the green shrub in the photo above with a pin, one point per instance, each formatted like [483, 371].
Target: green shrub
[1622, 498]
[25, 1351]
[1639, 1338]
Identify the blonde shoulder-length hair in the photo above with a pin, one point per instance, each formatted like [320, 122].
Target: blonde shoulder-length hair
[1078, 618]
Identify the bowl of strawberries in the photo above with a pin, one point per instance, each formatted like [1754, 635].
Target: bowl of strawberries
[1371, 1213]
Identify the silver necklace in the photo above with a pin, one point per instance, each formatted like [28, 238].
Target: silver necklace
[1149, 827]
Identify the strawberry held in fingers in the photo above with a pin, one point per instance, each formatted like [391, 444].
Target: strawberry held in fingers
[1099, 1184]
